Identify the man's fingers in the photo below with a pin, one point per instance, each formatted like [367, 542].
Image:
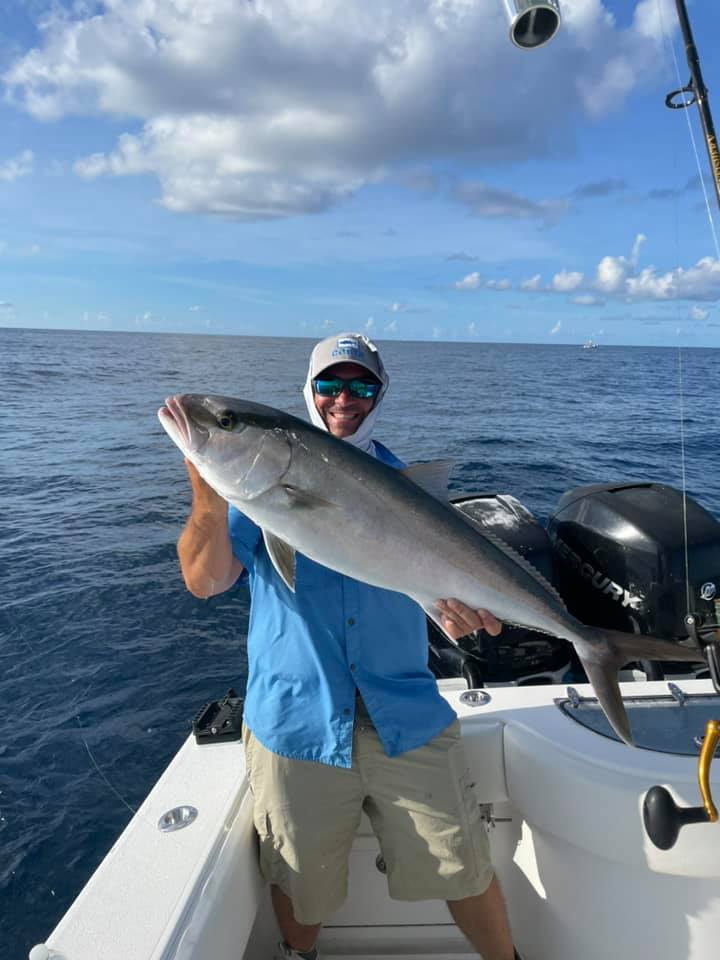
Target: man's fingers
[490, 623]
[460, 617]
[449, 615]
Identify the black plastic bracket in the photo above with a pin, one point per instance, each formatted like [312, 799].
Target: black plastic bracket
[219, 720]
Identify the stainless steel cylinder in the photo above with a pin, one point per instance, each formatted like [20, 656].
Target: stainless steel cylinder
[532, 22]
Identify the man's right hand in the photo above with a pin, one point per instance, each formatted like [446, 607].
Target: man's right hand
[207, 562]
[204, 497]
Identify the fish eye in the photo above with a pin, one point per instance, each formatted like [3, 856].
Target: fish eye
[227, 420]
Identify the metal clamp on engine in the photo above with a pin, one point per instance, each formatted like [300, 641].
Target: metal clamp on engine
[708, 639]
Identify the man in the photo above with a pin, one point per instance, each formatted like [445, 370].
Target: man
[342, 713]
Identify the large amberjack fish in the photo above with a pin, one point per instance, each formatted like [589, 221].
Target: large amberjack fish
[312, 493]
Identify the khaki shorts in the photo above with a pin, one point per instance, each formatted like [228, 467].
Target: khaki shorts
[421, 805]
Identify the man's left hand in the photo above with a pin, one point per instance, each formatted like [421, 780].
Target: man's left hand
[458, 619]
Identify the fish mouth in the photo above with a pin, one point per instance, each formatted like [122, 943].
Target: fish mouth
[175, 421]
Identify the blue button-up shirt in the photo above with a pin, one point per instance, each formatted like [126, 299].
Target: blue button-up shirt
[311, 650]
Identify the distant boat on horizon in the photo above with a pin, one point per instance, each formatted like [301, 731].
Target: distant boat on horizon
[589, 345]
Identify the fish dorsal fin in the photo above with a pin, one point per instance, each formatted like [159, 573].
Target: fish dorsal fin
[518, 558]
[283, 558]
[433, 477]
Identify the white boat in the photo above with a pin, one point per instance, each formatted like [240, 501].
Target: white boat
[589, 345]
[563, 806]
[562, 798]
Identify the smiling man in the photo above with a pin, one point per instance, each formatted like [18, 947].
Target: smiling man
[344, 395]
[345, 385]
[342, 714]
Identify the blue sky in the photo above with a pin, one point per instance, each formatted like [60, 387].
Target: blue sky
[298, 167]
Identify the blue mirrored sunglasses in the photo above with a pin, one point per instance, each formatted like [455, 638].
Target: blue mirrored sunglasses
[334, 386]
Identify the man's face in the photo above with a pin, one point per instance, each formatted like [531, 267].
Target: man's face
[343, 414]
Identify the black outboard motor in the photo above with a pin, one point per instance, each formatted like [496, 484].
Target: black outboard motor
[620, 551]
[518, 655]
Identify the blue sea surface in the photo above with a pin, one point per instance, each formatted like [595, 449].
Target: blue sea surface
[105, 657]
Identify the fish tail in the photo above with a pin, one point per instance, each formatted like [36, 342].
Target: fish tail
[603, 652]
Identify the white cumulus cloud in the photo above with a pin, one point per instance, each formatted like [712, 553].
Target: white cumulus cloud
[566, 280]
[277, 107]
[588, 300]
[19, 166]
[623, 277]
[470, 282]
[701, 282]
[613, 273]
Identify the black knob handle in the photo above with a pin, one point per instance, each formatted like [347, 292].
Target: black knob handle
[664, 819]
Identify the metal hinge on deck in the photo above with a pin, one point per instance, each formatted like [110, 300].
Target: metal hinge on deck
[488, 817]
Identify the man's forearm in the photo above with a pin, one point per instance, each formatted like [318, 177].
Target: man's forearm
[205, 553]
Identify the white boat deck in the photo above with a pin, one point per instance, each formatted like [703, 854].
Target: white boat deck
[572, 855]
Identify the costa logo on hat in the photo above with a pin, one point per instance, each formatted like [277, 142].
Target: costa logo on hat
[347, 348]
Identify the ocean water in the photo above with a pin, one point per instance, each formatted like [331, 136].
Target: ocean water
[105, 658]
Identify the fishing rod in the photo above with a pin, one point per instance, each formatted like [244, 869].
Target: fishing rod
[696, 92]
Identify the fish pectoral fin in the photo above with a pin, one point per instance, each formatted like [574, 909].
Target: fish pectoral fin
[301, 498]
[271, 463]
[433, 477]
[283, 558]
[602, 674]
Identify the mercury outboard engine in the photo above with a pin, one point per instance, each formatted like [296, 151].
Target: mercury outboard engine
[518, 655]
[620, 556]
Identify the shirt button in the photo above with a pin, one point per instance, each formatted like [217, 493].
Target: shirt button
[351, 621]
[353, 666]
[346, 711]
